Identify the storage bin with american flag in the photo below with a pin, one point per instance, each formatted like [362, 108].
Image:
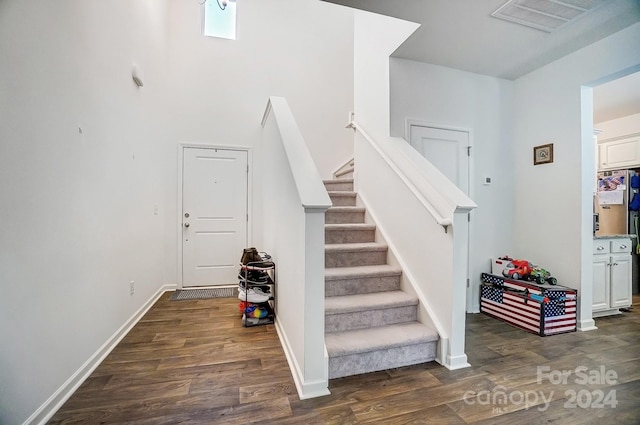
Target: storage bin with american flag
[540, 309]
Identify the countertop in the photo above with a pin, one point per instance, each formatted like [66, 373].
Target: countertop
[614, 237]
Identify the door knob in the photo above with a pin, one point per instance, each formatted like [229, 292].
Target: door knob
[186, 224]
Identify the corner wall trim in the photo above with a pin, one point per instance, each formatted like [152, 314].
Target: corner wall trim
[66, 390]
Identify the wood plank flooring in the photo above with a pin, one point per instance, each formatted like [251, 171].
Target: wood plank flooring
[192, 362]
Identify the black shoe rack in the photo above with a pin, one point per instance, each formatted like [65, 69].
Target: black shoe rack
[266, 273]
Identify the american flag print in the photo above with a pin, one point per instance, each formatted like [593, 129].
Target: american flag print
[543, 318]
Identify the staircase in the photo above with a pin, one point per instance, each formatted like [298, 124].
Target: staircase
[370, 323]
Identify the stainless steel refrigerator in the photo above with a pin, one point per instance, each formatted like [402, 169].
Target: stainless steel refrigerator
[611, 204]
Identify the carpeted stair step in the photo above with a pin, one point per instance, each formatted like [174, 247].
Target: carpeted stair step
[369, 350]
[361, 280]
[349, 233]
[347, 173]
[343, 198]
[339, 184]
[338, 215]
[369, 310]
[354, 254]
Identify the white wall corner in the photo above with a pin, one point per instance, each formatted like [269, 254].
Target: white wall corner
[66, 390]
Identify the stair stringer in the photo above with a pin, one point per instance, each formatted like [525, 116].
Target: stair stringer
[407, 282]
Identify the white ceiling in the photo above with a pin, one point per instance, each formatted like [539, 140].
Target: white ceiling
[462, 34]
[616, 99]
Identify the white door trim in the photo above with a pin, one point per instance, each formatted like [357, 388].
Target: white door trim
[412, 122]
[179, 209]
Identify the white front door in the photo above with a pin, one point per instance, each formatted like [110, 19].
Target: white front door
[214, 215]
[448, 150]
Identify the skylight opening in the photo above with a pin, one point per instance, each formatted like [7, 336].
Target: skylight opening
[220, 19]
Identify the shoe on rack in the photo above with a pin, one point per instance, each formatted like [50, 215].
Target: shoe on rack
[250, 255]
[253, 295]
[265, 289]
[252, 260]
[253, 276]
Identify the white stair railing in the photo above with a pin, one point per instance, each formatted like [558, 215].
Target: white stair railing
[294, 204]
[410, 199]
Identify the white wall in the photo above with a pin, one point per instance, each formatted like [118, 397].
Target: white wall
[554, 201]
[300, 50]
[619, 127]
[482, 105]
[78, 208]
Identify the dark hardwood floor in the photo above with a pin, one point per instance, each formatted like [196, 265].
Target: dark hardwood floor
[192, 362]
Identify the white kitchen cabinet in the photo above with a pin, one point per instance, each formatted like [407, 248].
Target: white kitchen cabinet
[619, 154]
[611, 275]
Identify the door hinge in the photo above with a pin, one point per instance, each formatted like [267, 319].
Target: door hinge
[468, 150]
[468, 283]
[469, 218]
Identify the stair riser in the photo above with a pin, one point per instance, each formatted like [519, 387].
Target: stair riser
[355, 258]
[355, 364]
[363, 285]
[369, 318]
[342, 200]
[338, 185]
[349, 236]
[343, 217]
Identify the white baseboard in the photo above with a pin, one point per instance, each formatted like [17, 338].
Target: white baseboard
[587, 325]
[456, 362]
[305, 389]
[62, 394]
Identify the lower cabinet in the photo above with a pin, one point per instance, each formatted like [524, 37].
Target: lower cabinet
[612, 273]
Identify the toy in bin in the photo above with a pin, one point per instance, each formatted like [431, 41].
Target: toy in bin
[525, 270]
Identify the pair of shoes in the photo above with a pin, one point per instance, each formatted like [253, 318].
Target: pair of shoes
[253, 261]
[253, 276]
[253, 295]
[250, 255]
[262, 288]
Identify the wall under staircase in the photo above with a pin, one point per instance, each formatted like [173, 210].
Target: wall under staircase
[370, 323]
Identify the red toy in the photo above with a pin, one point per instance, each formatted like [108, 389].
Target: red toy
[517, 269]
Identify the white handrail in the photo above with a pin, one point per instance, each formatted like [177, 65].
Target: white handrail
[440, 219]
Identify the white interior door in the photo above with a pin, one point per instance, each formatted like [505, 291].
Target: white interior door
[448, 150]
[214, 215]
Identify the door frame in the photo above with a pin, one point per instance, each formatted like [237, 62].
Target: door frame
[471, 307]
[186, 145]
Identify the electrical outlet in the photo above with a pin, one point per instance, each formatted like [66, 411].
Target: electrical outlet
[132, 287]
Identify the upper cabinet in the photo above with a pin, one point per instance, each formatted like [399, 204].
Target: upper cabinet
[620, 153]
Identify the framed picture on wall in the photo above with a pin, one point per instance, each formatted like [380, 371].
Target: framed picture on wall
[543, 154]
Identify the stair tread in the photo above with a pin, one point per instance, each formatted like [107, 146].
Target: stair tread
[379, 338]
[345, 209]
[336, 181]
[350, 226]
[335, 273]
[345, 193]
[367, 302]
[360, 246]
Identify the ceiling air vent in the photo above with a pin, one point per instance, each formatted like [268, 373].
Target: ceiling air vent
[544, 15]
